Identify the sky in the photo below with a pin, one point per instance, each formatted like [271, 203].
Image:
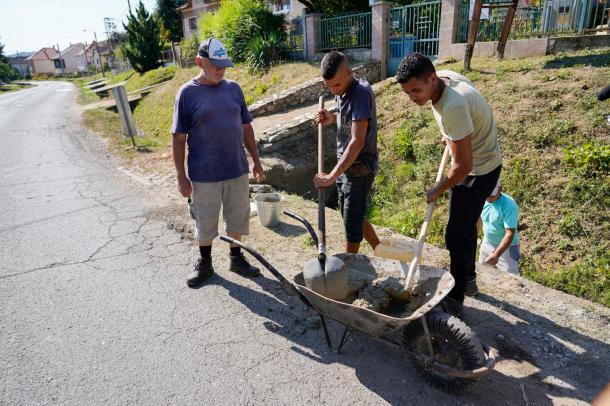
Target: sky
[28, 25]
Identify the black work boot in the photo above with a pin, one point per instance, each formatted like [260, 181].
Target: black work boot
[453, 306]
[203, 270]
[240, 265]
[471, 287]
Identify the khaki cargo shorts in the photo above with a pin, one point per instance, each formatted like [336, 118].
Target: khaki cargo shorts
[234, 197]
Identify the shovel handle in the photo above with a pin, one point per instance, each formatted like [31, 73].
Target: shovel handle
[321, 200]
[424, 229]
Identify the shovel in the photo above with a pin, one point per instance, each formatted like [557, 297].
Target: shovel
[422, 236]
[326, 275]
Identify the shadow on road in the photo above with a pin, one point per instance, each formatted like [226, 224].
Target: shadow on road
[374, 362]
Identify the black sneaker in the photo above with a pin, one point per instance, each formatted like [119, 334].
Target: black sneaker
[471, 288]
[240, 265]
[203, 270]
[452, 306]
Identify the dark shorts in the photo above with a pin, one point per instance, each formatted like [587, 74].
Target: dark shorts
[354, 188]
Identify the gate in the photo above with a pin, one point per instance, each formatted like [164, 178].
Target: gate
[413, 28]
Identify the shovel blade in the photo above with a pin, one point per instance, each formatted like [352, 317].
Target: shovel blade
[331, 281]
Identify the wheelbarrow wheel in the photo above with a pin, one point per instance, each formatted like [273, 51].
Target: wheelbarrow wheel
[453, 344]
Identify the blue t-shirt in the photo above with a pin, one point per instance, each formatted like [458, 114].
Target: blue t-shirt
[358, 103]
[213, 118]
[497, 217]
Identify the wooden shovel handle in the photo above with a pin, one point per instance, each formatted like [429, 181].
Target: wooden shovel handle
[424, 229]
[321, 200]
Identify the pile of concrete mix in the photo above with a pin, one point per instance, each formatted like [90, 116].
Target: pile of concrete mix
[377, 294]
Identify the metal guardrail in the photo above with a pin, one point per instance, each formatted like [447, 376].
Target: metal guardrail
[552, 17]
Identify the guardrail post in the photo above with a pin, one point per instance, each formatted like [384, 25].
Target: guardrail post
[122, 104]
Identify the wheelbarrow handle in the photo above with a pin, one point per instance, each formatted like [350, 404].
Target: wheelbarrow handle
[286, 284]
[306, 223]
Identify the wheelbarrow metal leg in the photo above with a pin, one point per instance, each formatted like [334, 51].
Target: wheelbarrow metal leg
[343, 337]
[326, 331]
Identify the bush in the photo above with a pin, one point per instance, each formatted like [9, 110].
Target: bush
[589, 160]
[188, 50]
[251, 33]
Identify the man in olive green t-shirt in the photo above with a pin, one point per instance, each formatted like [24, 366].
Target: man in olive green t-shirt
[468, 128]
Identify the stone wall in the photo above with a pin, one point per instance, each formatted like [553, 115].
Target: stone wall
[308, 92]
[563, 44]
[522, 48]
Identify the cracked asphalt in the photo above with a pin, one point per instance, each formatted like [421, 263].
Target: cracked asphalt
[94, 307]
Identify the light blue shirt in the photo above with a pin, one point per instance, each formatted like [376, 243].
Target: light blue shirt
[497, 217]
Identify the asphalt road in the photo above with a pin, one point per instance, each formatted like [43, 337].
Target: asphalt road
[94, 308]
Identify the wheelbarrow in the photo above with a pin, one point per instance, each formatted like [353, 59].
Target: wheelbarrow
[441, 347]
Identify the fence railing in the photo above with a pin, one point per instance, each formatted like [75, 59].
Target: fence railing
[553, 17]
[348, 31]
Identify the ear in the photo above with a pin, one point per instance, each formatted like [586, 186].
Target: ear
[199, 61]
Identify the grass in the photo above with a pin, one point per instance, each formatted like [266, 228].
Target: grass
[556, 148]
[13, 87]
[154, 114]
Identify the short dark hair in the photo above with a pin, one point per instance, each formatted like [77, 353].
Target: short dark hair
[414, 66]
[331, 63]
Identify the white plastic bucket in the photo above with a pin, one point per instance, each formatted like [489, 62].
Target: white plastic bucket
[269, 208]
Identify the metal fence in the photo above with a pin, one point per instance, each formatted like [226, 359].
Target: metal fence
[348, 31]
[552, 17]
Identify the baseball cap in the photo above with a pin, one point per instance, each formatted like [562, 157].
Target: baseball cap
[496, 189]
[215, 52]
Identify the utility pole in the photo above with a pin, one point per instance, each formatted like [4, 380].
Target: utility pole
[99, 56]
[61, 65]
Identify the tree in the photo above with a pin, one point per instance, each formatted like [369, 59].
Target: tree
[7, 72]
[142, 48]
[170, 19]
[334, 7]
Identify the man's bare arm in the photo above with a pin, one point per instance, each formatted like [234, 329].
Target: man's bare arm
[179, 153]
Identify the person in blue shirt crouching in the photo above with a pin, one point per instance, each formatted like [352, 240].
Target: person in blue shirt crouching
[500, 218]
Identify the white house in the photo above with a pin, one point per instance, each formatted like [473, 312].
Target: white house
[290, 8]
[74, 58]
[191, 13]
[45, 61]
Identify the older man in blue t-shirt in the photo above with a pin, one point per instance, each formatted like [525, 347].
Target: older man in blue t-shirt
[211, 116]
[500, 218]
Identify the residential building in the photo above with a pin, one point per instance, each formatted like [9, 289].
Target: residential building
[290, 8]
[192, 11]
[74, 58]
[99, 53]
[19, 61]
[45, 61]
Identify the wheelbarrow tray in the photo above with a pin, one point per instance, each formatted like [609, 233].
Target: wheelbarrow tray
[371, 322]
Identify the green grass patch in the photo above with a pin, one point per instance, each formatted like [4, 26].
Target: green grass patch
[556, 149]
[13, 87]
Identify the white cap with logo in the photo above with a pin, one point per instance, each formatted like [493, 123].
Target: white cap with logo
[215, 52]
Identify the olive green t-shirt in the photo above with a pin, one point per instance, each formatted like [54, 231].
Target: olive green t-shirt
[462, 111]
